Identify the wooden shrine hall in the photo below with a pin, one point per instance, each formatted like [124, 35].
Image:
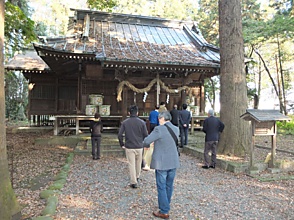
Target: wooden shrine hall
[125, 59]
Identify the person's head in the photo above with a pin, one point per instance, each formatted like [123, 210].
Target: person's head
[97, 115]
[133, 110]
[163, 117]
[175, 106]
[162, 103]
[184, 106]
[156, 106]
[210, 112]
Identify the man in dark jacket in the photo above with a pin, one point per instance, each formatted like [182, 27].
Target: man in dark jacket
[175, 115]
[184, 119]
[96, 128]
[212, 127]
[135, 131]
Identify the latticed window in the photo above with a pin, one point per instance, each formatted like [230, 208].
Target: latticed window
[67, 92]
[43, 92]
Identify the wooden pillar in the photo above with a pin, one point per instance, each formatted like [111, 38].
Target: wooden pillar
[252, 145]
[79, 87]
[157, 89]
[124, 102]
[38, 120]
[29, 107]
[274, 146]
[56, 94]
[202, 100]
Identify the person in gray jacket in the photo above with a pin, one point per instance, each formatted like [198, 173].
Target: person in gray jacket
[165, 161]
[135, 131]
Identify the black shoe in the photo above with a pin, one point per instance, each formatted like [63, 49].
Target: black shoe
[180, 146]
[134, 186]
[213, 167]
[205, 167]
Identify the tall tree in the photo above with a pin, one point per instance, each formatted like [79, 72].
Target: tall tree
[8, 203]
[19, 28]
[105, 5]
[208, 20]
[19, 33]
[171, 9]
[233, 96]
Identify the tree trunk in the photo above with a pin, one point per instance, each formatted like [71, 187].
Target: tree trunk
[279, 86]
[8, 203]
[282, 78]
[236, 138]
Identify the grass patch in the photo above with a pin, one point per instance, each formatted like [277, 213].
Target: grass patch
[286, 127]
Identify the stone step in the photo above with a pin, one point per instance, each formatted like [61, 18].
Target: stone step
[107, 149]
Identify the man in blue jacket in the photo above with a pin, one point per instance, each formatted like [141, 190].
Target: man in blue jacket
[184, 119]
[135, 131]
[212, 127]
[165, 161]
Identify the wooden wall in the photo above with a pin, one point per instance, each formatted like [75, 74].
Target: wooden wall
[58, 94]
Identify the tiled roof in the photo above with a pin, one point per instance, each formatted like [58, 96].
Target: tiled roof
[260, 115]
[131, 38]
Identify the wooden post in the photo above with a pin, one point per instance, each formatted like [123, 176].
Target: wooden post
[56, 94]
[125, 103]
[77, 125]
[157, 89]
[79, 87]
[274, 145]
[252, 144]
[56, 124]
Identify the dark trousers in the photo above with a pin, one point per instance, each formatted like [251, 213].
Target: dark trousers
[96, 141]
[152, 126]
[210, 146]
[184, 135]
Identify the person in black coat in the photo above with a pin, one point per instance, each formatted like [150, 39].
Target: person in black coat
[96, 128]
[212, 127]
[184, 119]
[175, 116]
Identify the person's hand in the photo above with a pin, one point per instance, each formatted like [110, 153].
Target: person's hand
[152, 144]
[146, 148]
[123, 147]
[184, 125]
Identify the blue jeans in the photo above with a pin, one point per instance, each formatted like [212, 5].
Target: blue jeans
[165, 187]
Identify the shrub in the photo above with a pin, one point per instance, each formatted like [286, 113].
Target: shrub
[286, 127]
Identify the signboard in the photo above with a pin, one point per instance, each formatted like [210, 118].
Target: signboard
[264, 128]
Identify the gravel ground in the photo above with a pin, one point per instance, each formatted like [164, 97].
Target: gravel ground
[99, 190]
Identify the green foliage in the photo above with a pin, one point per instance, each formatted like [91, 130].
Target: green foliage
[208, 20]
[19, 29]
[171, 9]
[286, 127]
[16, 94]
[212, 86]
[102, 5]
